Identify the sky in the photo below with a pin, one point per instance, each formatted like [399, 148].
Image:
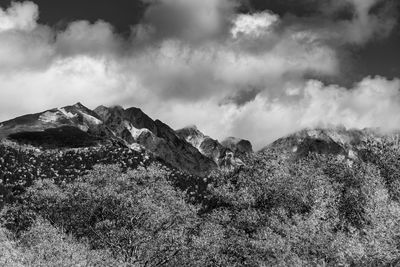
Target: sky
[254, 69]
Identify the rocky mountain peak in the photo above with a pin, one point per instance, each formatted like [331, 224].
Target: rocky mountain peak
[135, 126]
[192, 135]
[227, 154]
[191, 130]
[79, 105]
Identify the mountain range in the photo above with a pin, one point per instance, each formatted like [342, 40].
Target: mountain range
[187, 149]
[77, 126]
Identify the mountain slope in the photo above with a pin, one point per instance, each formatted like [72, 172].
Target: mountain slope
[206, 145]
[134, 126]
[229, 153]
[76, 115]
[69, 126]
[333, 141]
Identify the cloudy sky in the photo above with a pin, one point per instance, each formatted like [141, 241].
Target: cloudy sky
[256, 69]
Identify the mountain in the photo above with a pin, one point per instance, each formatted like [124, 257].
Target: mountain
[187, 149]
[76, 115]
[229, 153]
[78, 126]
[207, 146]
[69, 126]
[94, 187]
[134, 126]
[334, 141]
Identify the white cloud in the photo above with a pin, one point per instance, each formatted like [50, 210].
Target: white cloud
[373, 102]
[176, 69]
[255, 25]
[65, 82]
[25, 50]
[19, 16]
[82, 37]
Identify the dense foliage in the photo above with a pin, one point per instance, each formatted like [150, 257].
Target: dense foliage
[314, 211]
[20, 166]
[45, 245]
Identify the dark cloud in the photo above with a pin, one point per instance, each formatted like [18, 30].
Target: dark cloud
[283, 7]
[190, 20]
[242, 97]
[122, 14]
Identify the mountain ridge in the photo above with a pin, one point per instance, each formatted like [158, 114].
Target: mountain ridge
[225, 153]
[187, 149]
[51, 128]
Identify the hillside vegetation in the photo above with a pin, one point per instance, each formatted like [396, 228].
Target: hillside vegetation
[319, 210]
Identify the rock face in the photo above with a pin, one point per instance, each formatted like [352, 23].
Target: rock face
[227, 154]
[133, 125]
[206, 145]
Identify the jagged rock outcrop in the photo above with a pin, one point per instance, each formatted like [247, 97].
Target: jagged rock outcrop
[133, 125]
[209, 147]
[119, 119]
[229, 154]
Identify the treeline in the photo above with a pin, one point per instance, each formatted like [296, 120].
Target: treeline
[315, 211]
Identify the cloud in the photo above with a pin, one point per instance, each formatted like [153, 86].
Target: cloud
[369, 20]
[23, 44]
[254, 25]
[373, 102]
[20, 50]
[177, 70]
[19, 16]
[191, 20]
[196, 62]
[366, 24]
[82, 37]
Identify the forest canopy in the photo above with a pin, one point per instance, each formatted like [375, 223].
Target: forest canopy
[318, 210]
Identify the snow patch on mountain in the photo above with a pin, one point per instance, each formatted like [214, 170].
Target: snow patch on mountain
[49, 117]
[135, 132]
[67, 114]
[91, 119]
